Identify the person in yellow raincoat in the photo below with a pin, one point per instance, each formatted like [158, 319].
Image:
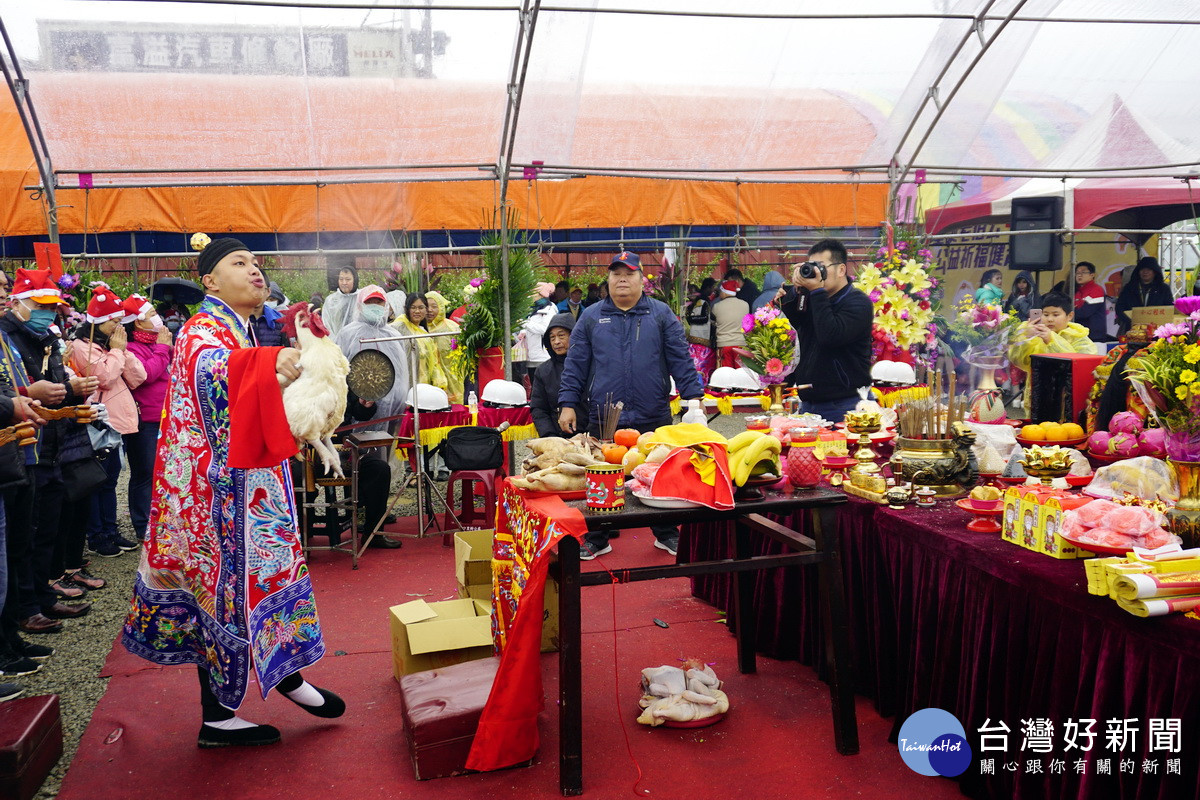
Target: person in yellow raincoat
[1053, 333]
[435, 320]
[429, 362]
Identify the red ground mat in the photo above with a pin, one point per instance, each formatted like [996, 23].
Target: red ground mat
[776, 742]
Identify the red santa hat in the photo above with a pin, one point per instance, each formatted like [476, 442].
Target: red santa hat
[104, 305]
[135, 307]
[729, 287]
[37, 285]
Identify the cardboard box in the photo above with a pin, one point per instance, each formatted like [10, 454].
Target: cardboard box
[1153, 315]
[432, 635]
[549, 609]
[473, 558]
[1033, 519]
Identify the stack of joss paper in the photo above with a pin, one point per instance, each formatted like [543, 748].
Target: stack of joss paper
[1149, 583]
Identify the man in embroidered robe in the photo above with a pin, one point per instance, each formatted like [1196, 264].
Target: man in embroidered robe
[222, 582]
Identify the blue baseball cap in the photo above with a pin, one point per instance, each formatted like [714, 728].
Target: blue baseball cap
[626, 259]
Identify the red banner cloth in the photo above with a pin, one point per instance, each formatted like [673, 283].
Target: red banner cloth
[259, 435]
[457, 416]
[528, 526]
[494, 417]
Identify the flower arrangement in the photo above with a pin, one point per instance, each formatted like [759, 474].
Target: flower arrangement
[985, 328]
[483, 327]
[904, 296]
[771, 350]
[1166, 375]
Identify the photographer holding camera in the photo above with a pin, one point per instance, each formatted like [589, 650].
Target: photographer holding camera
[833, 322]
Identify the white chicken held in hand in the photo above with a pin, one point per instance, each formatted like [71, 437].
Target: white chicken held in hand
[315, 402]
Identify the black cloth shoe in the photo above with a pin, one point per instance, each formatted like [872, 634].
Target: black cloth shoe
[38, 652]
[242, 737]
[382, 541]
[126, 544]
[333, 706]
[10, 690]
[19, 666]
[64, 611]
[107, 550]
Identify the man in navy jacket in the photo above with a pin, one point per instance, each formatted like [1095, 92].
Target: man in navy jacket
[626, 348]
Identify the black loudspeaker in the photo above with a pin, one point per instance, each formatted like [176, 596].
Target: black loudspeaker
[1036, 251]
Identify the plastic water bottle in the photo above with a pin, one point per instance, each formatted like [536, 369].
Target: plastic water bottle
[695, 413]
[473, 403]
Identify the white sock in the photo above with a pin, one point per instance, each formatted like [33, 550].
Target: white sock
[306, 695]
[232, 724]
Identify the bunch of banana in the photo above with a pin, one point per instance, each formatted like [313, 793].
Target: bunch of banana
[753, 453]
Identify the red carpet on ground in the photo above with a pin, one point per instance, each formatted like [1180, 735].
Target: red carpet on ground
[776, 742]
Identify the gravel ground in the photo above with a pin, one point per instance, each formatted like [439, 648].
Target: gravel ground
[80, 650]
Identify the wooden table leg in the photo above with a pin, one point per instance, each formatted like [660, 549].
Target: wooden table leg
[837, 630]
[743, 610]
[570, 672]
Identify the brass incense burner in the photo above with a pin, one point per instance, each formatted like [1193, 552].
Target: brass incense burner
[945, 465]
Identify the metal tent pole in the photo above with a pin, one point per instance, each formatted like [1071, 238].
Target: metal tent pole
[18, 84]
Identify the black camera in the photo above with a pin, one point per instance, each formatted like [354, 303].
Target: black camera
[811, 269]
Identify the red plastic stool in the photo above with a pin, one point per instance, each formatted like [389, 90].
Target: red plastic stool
[468, 513]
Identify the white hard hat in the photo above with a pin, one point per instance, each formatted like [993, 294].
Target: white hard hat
[507, 394]
[893, 372]
[428, 398]
[733, 379]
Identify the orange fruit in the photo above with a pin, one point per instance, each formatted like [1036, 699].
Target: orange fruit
[626, 437]
[1073, 431]
[1053, 431]
[613, 453]
[1033, 433]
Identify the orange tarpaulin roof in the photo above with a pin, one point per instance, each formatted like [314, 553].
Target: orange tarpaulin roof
[106, 121]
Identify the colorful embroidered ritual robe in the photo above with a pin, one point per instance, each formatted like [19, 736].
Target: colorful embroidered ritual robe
[222, 581]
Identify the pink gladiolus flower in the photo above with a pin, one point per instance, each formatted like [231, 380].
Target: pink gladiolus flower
[774, 366]
[901, 245]
[876, 295]
[747, 323]
[477, 282]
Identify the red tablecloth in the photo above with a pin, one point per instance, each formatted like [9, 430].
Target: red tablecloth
[943, 617]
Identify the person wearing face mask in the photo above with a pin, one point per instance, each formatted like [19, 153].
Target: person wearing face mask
[31, 359]
[436, 322]
[370, 321]
[150, 343]
[100, 349]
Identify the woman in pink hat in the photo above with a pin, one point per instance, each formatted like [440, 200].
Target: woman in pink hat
[99, 349]
[150, 343]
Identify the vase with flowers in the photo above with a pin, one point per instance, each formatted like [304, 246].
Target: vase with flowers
[770, 352]
[985, 329]
[1166, 376]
